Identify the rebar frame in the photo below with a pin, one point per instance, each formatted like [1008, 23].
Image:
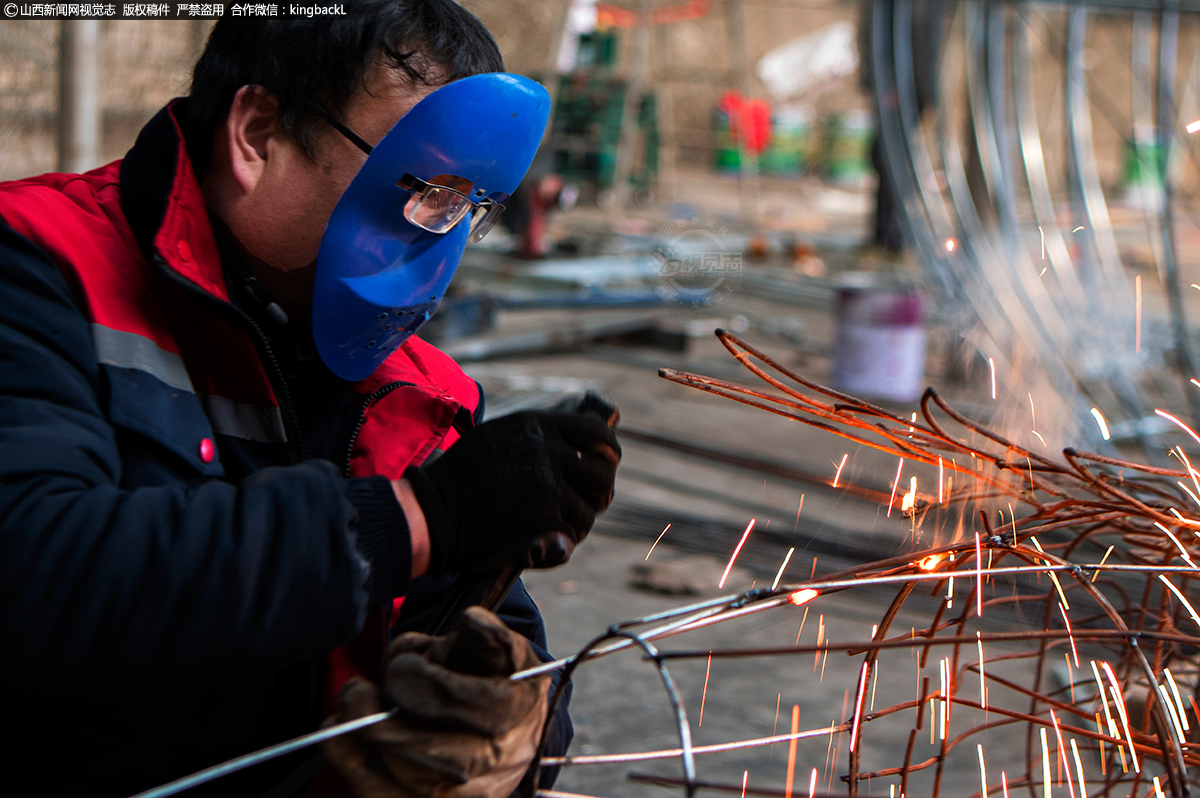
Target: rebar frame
[1127, 609]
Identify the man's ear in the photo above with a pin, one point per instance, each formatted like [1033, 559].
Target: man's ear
[253, 119]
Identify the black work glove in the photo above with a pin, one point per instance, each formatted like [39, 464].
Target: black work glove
[521, 490]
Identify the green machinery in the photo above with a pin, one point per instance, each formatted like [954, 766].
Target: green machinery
[590, 103]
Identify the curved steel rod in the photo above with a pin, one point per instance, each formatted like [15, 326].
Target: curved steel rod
[685, 729]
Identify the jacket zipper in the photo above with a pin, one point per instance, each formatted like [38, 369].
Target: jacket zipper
[275, 373]
[362, 418]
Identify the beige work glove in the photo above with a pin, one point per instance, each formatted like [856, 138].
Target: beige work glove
[462, 728]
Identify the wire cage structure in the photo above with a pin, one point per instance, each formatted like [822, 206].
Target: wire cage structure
[1061, 617]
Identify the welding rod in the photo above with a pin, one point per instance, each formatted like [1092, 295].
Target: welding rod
[262, 755]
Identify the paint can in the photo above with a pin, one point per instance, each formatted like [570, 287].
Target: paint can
[879, 338]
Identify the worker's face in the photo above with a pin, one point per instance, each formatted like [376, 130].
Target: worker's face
[282, 218]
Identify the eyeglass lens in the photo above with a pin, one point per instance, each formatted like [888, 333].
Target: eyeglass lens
[483, 219]
[436, 209]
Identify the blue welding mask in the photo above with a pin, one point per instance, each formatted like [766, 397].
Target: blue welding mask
[437, 180]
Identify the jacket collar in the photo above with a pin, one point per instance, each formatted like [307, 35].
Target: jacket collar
[164, 206]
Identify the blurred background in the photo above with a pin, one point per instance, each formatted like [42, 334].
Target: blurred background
[996, 198]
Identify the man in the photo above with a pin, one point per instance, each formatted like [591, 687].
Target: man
[219, 485]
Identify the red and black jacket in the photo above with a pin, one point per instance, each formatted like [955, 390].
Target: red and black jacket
[179, 575]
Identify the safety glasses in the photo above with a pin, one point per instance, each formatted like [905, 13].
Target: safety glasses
[430, 206]
[438, 208]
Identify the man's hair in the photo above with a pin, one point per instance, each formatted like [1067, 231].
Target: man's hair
[326, 60]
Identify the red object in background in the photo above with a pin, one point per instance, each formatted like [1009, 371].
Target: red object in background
[610, 16]
[751, 117]
[544, 195]
[756, 121]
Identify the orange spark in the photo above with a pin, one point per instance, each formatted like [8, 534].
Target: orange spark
[1043, 233]
[874, 681]
[951, 244]
[1100, 422]
[1182, 456]
[1158, 789]
[1177, 423]
[982, 769]
[1112, 726]
[1062, 752]
[943, 668]
[1045, 764]
[1070, 634]
[856, 721]
[746, 778]
[1079, 769]
[1137, 290]
[775, 727]
[801, 597]
[1193, 126]
[1169, 707]
[803, 618]
[941, 479]
[812, 784]
[820, 637]
[1182, 551]
[930, 562]
[1102, 559]
[786, 560]
[1186, 603]
[982, 690]
[1178, 450]
[736, 551]
[838, 474]
[910, 497]
[1120, 701]
[791, 766]
[1178, 701]
[660, 537]
[895, 483]
[978, 577]
[1053, 576]
[1004, 784]
[1039, 436]
[704, 695]
[1188, 490]
[1183, 520]
[992, 366]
